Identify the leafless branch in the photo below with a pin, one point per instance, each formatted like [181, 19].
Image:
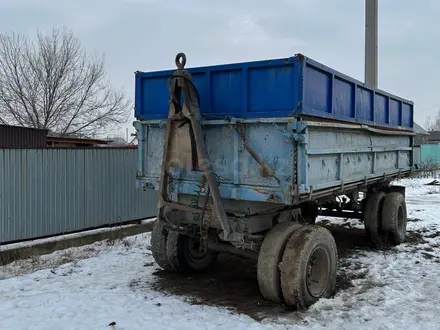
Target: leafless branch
[433, 124]
[51, 82]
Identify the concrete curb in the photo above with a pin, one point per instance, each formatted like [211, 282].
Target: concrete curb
[24, 252]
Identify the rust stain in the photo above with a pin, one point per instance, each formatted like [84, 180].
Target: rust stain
[301, 57]
[273, 198]
[261, 191]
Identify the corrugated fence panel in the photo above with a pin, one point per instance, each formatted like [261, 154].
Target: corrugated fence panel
[45, 192]
[105, 192]
[417, 155]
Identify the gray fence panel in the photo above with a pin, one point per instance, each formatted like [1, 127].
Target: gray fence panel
[417, 155]
[46, 192]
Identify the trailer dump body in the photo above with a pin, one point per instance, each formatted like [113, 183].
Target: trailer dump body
[290, 87]
[306, 120]
[246, 157]
[306, 157]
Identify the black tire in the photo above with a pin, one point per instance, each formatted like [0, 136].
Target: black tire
[269, 258]
[394, 218]
[159, 246]
[373, 217]
[183, 254]
[309, 242]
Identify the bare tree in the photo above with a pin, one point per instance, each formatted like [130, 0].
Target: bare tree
[51, 82]
[433, 124]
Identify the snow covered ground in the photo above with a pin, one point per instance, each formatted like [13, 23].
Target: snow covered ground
[93, 286]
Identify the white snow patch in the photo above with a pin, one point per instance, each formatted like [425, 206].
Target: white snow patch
[91, 293]
[395, 289]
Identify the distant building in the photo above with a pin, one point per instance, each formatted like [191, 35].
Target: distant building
[422, 135]
[433, 137]
[65, 141]
[17, 137]
[119, 143]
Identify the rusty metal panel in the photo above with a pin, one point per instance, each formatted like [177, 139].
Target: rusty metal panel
[45, 192]
[22, 137]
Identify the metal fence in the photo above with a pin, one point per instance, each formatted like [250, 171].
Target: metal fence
[46, 192]
[430, 154]
[417, 155]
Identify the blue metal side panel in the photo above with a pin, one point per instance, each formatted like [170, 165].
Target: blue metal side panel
[333, 95]
[295, 86]
[272, 88]
[226, 83]
[235, 168]
[305, 156]
[244, 90]
[152, 96]
[338, 154]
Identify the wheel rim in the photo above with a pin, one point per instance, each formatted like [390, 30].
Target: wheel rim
[400, 219]
[194, 254]
[317, 272]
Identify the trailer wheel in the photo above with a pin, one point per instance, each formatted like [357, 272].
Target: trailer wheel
[309, 266]
[394, 218]
[373, 216]
[269, 258]
[158, 245]
[184, 254]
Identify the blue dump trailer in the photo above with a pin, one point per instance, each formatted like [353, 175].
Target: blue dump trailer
[246, 156]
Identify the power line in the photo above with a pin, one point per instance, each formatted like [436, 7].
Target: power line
[430, 107]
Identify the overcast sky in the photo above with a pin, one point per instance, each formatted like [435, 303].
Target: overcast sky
[146, 34]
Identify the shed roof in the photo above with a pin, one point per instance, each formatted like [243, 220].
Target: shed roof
[22, 137]
[420, 130]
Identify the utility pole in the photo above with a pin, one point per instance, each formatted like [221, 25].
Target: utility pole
[371, 42]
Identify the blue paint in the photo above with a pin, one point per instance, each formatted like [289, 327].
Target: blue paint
[292, 87]
[236, 159]
[340, 183]
[242, 193]
[343, 99]
[328, 156]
